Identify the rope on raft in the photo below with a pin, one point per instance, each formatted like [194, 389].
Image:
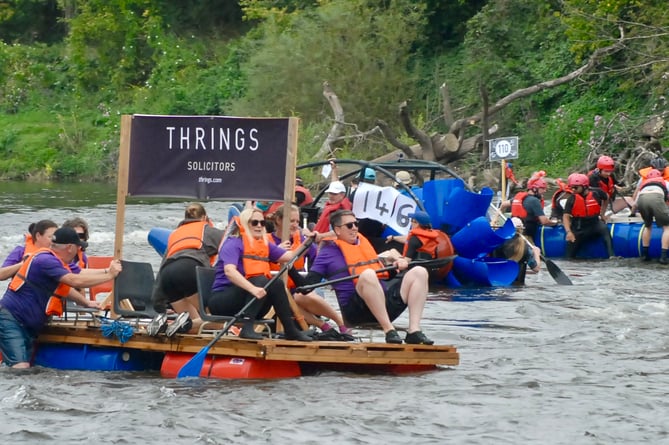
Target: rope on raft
[115, 327]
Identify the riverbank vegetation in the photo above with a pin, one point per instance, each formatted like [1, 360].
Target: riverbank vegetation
[70, 68]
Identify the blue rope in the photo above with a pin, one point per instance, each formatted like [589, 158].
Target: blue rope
[122, 330]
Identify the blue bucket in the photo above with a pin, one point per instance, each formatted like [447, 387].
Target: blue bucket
[485, 271]
[478, 239]
[463, 206]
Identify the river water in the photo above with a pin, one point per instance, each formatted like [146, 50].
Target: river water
[541, 364]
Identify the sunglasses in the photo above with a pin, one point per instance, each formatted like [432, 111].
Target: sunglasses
[257, 222]
[350, 225]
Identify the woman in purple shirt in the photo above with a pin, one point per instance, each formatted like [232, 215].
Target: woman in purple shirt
[242, 272]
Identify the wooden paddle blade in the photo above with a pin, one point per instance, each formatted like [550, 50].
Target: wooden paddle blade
[555, 271]
[193, 366]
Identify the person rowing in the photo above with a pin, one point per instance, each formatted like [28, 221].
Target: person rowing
[371, 298]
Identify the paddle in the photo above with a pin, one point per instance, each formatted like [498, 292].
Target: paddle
[193, 366]
[555, 271]
[436, 262]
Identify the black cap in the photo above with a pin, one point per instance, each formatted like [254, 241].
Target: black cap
[67, 235]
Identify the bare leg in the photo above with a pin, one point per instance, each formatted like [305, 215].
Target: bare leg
[314, 304]
[665, 237]
[645, 236]
[414, 291]
[21, 365]
[370, 290]
[190, 304]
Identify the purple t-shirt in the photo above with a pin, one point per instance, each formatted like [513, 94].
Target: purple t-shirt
[15, 256]
[231, 253]
[331, 264]
[28, 303]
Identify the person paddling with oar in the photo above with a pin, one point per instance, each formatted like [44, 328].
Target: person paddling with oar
[242, 272]
[371, 297]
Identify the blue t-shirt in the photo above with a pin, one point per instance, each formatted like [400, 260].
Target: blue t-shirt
[231, 253]
[28, 304]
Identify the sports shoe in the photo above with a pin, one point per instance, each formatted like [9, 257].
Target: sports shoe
[329, 335]
[180, 324]
[345, 336]
[418, 338]
[393, 337]
[157, 325]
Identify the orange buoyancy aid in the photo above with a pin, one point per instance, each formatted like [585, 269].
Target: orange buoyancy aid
[255, 258]
[517, 208]
[308, 199]
[360, 257]
[559, 193]
[645, 182]
[30, 246]
[188, 236]
[426, 236]
[608, 185]
[644, 173]
[55, 303]
[296, 241]
[585, 207]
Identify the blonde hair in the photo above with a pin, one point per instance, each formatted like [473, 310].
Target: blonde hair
[245, 217]
[195, 211]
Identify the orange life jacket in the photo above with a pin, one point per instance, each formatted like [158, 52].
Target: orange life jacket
[55, 303]
[308, 199]
[30, 246]
[517, 208]
[299, 263]
[426, 236]
[645, 182]
[559, 193]
[188, 236]
[256, 255]
[360, 257]
[585, 207]
[606, 184]
[644, 173]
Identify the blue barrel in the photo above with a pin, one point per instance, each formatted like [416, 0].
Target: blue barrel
[478, 239]
[96, 358]
[626, 238]
[485, 271]
[158, 239]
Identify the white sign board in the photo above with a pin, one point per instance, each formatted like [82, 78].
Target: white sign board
[503, 148]
[384, 204]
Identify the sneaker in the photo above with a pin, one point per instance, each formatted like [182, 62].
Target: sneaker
[157, 325]
[418, 338]
[393, 337]
[178, 325]
[345, 336]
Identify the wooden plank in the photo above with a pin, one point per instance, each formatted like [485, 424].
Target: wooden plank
[270, 349]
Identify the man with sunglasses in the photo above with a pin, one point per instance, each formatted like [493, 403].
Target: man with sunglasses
[372, 297]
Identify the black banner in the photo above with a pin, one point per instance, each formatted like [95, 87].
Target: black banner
[208, 157]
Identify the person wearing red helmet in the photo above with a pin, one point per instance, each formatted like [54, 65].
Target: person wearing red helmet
[602, 178]
[529, 205]
[652, 198]
[581, 218]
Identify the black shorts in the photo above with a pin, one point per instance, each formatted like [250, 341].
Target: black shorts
[356, 311]
[178, 279]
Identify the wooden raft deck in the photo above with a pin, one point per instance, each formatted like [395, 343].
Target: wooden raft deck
[325, 352]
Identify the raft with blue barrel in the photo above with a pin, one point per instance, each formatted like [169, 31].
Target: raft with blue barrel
[626, 236]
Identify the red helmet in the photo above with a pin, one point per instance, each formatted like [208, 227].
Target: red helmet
[578, 179]
[654, 174]
[605, 163]
[537, 183]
